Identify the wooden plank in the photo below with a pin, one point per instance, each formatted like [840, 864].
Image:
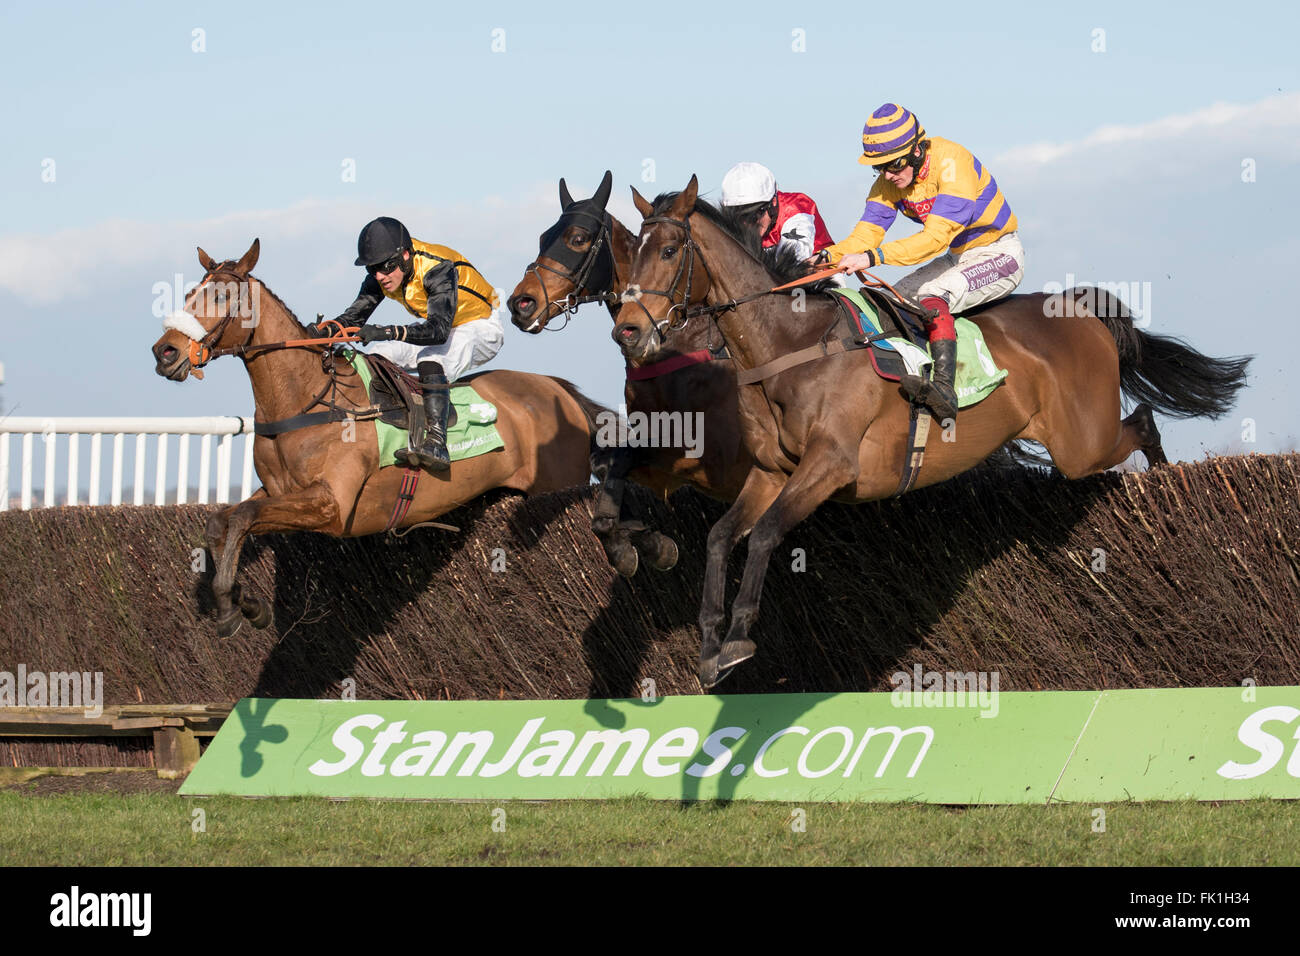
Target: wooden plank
[176, 751]
[113, 722]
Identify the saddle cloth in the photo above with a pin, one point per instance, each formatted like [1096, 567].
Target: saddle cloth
[470, 428]
[977, 374]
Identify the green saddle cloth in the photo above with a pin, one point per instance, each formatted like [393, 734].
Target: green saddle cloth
[977, 374]
[473, 434]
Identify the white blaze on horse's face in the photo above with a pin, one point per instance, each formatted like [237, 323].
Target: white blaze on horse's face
[186, 324]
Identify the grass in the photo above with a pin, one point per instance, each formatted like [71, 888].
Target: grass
[159, 830]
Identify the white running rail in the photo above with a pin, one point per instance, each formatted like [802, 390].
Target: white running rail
[68, 432]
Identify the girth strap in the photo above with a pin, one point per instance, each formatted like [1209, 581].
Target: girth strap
[405, 495]
[918, 431]
[280, 426]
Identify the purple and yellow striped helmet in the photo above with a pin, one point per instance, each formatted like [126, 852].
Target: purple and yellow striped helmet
[891, 132]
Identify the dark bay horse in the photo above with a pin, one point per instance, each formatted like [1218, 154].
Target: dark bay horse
[584, 257]
[326, 477]
[832, 429]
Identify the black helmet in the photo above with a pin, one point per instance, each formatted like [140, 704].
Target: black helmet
[382, 239]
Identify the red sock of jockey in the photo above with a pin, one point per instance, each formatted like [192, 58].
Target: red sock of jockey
[941, 326]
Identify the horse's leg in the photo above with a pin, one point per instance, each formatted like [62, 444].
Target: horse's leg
[312, 509]
[1077, 457]
[228, 616]
[1143, 424]
[825, 467]
[611, 466]
[760, 488]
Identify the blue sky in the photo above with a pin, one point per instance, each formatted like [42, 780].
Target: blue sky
[1123, 164]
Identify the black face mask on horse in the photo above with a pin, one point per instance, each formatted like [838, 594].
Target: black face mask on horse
[592, 270]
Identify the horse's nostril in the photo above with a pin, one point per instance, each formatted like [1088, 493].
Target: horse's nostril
[524, 305]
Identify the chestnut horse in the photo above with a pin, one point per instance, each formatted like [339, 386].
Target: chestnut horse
[583, 258]
[833, 429]
[326, 477]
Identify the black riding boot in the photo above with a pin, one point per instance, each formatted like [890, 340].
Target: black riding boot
[937, 394]
[431, 448]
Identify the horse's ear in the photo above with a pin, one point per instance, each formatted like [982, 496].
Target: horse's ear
[245, 265]
[602, 194]
[565, 199]
[205, 260]
[643, 206]
[686, 201]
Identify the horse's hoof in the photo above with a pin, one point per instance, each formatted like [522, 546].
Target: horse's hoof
[658, 549]
[708, 672]
[668, 554]
[256, 611]
[228, 625]
[735, 652]
[622, 557]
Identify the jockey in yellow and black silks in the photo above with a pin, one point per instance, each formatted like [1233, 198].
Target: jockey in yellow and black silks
[969, 233]
[460, 331]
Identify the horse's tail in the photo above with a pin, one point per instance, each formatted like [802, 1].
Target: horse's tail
[1165, 372]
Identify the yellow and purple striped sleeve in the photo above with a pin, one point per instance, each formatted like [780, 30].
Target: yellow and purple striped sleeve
[877, 217]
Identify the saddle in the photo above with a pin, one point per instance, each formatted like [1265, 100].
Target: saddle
[891, 320]
[397, 394]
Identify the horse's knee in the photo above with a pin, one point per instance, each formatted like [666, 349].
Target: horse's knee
[215, 529]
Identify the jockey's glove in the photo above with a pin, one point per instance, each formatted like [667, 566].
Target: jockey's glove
[376, 333]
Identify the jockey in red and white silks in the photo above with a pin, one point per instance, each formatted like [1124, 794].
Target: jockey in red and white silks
[782, 219]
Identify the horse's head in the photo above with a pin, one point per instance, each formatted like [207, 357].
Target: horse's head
[220, 313]
[576, 255]
[667, 275]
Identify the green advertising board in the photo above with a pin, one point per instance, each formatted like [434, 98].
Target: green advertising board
[962, 748]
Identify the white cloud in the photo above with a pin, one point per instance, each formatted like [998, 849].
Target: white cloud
[1239, 121]
[312, 239]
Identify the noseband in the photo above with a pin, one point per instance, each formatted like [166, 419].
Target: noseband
[579, 276]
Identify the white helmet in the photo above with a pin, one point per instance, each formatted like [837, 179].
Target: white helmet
[747, 183]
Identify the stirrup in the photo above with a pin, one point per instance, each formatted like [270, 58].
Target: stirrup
[922, 391]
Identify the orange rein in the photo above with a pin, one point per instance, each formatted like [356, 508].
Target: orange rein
[200, 354]
[867, 279]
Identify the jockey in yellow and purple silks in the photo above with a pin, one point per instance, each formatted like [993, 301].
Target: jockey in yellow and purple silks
[969, 231]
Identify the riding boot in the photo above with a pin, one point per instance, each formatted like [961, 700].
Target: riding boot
[937, 394]
[437, 409]
[428, 447]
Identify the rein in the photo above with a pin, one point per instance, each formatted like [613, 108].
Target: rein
[689, 312]
[201, 352]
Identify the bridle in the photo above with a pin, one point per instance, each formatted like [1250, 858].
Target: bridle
[201, 351]
[686, 266]
[579, 276]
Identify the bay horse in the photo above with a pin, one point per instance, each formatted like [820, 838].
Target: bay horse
[326, 477]
[583, 258]
[833, 429]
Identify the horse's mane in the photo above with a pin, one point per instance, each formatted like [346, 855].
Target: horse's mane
[782, 263]
[229, 267]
